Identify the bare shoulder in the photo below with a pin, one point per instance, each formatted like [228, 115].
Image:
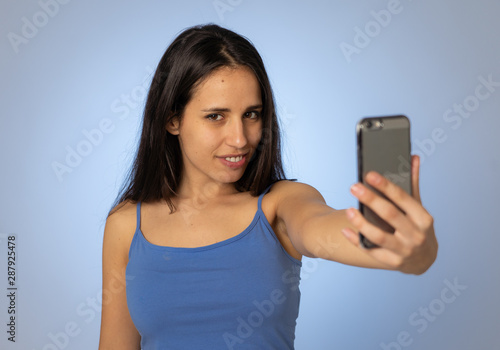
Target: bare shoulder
[287, 192]
[294, 200]
[292, 203]
[120, 228]
[124, 210]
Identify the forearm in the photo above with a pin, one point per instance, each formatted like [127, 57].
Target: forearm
[321, 237]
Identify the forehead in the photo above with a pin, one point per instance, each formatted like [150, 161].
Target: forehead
[228, 85]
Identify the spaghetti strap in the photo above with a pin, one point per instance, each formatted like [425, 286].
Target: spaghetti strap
[262, 195]
[138, 225]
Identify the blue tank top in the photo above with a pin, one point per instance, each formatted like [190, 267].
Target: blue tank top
[240, 293]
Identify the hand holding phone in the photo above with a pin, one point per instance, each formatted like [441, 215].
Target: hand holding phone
[383, 145]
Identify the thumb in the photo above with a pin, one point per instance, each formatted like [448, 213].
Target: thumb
[415, 172]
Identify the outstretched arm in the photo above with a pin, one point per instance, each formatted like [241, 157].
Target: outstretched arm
[317, 230]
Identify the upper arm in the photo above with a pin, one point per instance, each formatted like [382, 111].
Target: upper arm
[117, 329]
[314, 228]
[297, 203]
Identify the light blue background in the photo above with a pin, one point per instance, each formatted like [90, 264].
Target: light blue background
[71, 74]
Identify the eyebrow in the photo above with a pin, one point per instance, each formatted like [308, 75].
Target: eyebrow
[220, 109]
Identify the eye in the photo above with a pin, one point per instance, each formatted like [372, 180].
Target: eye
[214, 117]
[252, 114]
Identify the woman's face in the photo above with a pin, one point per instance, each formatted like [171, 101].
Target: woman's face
[221, 127]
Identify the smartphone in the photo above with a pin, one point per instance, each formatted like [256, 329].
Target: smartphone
[383, 145]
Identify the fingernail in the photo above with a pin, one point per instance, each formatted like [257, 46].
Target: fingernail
[374, 177]
[350, 213]
[357, 189]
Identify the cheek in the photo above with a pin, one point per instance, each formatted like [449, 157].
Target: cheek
[210, 139]
[198, 139]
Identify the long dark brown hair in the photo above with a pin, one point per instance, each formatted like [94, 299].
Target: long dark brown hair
[192, 56]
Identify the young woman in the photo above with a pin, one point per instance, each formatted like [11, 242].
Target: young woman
[203, 249]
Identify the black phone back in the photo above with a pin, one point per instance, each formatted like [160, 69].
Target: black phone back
[383, 145]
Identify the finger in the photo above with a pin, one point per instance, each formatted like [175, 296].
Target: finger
[373, 233]
[385, 209]
[415, 176]
[409, 204]
[391, 259]
[351, 236]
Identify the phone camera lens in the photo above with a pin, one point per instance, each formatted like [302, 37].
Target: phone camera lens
[379, 124]
[369, 124]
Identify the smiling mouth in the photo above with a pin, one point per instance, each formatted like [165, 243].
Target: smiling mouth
[234, 159]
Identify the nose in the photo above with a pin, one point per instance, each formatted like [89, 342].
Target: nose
[236, 133]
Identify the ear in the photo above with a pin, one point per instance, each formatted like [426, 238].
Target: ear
[173, 125]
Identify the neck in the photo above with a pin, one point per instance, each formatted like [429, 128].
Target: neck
[204, 192]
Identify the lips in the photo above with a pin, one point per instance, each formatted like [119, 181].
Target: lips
[233, 160]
